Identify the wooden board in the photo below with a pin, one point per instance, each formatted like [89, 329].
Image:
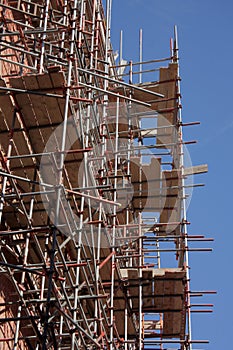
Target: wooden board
[147, 289]
[134, 289]
[146, 180]
[171, 210]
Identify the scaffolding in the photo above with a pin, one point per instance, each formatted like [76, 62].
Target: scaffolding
[94, 234]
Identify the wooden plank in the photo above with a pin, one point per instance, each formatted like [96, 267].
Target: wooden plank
[168, 300]
[167, 87]
[39, 217]
[6, 120]
[38, 102]
[121, 217]
[54, 112]
[123, 119]
[120, 324]
[58, 80]
[168, 283]
[152, 173]
[146, 180]
[168, 75]
[172, 322]
[133, 290]
[171, 211]
[6, 108]
[158, 290]
[147, 97]
[24, 102]
[38, 141]
[177, 324]
[9, 215]
[168, 324]
[147, 288]
[196, 169]
[14, 217]
[166, 133]
[23, 185]
[119, 300]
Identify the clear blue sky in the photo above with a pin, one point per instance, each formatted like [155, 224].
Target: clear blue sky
[206, 63]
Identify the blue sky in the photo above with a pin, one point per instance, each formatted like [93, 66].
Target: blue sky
[206, 66]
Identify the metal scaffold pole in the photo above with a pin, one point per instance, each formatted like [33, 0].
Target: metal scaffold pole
[184, 210]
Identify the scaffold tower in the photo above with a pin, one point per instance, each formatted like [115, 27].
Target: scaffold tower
[94, 186]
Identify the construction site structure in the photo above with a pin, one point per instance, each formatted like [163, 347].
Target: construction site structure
[93, 193]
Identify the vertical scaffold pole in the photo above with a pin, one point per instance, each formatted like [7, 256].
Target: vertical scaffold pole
[61, 163]
[140, 56]
[184, 209]
[121, 48]
[42, 56]
[140, 281]
[107, 47]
